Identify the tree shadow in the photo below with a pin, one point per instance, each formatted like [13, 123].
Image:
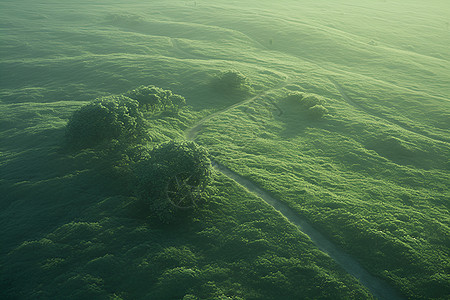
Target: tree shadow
[295, 119]
[44, 185]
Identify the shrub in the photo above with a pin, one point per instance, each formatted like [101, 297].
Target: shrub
[295, 97]
[310, 104]
[177, 101]
[104, 119]
[174, 178]
[311, 100]
[317, 112]
[175, 283]
[231, 82]
[305, 100]
[172, 257]
[152, 98]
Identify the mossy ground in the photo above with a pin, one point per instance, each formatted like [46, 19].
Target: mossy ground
[372, 174]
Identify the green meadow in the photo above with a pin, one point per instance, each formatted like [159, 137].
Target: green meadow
[113, 114]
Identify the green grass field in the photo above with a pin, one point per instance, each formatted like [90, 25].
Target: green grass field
[372, 174]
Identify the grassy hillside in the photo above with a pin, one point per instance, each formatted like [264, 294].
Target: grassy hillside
[372, 174]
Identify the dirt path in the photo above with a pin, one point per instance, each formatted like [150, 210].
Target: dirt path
[192, 132]
[376, 286]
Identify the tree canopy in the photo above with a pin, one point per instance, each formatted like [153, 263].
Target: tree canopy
[174, 178]
[317, 111]
[104, 119]
[231, 82]
[153, 99]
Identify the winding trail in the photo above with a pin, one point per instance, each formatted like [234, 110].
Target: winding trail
[376, 286]
[379, 288]
[192, 132]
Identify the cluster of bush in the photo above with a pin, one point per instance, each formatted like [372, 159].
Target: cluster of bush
[312, 104]
[152, 98]
[172, 177]
[119, 117]
[237, 249]
[232, 82]
[103, 120]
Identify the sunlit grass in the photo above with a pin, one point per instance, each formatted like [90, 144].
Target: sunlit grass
[371, 173]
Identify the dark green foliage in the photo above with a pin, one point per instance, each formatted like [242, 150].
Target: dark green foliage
[374, 177]
[232, 82]
[153, 99]
[311, 100]
[174, 178]
[173, 257]
[305, 100]
[177, 101]
[295, 97]
[309, 103]
[174, 283]
[317, 111]
[114, 255]
[104, 119]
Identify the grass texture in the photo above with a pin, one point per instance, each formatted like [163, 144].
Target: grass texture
[366, 161]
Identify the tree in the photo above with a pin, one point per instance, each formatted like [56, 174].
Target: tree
[231, 82]
[305, 100]
[317, 112]
[311, 100]
[104, 119]
[177, 102]
[295, 97]
[153, 99]
[174, 178]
